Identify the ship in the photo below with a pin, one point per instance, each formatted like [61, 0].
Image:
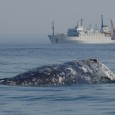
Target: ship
[82, 35]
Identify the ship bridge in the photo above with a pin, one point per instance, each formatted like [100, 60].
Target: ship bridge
[75, 32]
[72, 32]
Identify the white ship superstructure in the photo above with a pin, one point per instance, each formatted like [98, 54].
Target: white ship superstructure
[90, 35]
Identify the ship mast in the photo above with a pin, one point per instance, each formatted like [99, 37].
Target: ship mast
[102, 25]
[53, 28]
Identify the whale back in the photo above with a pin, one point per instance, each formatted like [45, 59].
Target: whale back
[72, 72]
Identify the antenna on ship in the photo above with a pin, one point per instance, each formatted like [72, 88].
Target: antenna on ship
[53, 28]
[96, 26]
[81, 22]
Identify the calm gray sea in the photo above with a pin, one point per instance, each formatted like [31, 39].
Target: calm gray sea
[95, 99]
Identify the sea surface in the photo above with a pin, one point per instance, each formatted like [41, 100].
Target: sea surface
[82, 99]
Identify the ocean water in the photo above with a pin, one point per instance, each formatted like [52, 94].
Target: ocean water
[84, 99]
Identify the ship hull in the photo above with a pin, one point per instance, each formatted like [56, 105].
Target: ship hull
[62, 39]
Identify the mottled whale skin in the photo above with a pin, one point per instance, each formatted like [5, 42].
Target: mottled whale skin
[88, 71]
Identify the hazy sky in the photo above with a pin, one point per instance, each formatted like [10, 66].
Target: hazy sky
[26, 21]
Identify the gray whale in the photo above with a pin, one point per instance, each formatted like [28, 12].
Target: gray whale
[88, 71]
